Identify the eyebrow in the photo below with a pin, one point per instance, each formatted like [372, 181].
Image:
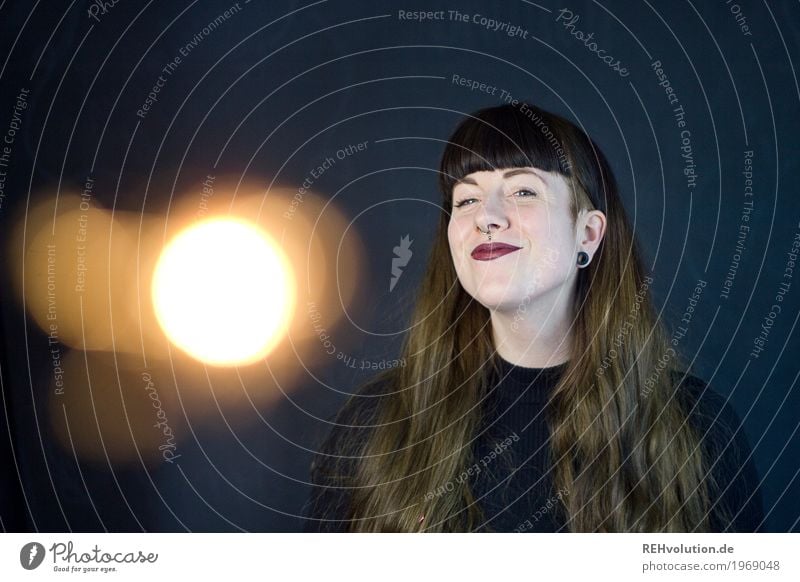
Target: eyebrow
[508, 174]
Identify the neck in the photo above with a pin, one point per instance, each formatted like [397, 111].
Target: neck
[533, 340]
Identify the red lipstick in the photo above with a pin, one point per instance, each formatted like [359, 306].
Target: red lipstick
[493, 250]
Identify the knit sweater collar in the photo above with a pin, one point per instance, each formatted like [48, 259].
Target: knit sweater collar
[518, 384]
[525, 376]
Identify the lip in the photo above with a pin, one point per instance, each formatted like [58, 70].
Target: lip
[491, 251]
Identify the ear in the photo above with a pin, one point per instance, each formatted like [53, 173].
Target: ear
[592, 231]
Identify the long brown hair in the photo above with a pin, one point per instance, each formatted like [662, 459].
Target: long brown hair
[621, 445]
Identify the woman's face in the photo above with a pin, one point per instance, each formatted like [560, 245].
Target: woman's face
[527, 209]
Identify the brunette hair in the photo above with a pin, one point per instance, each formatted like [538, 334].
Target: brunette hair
[620, 441]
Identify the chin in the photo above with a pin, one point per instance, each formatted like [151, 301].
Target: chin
[500, 298]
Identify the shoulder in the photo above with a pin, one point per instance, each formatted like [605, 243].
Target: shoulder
[731, 474]
[713, 416]
[705, 407]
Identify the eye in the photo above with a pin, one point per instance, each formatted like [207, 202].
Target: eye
[463, 202]
[526, 193]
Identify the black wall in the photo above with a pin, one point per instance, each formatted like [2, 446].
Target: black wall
[280, 86]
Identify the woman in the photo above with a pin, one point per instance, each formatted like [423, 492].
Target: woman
[540, 392]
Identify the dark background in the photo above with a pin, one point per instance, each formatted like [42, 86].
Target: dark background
[286, 84]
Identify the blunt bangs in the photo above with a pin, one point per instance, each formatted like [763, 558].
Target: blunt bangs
[498, 138]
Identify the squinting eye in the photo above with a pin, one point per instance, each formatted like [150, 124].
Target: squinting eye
[525, 194]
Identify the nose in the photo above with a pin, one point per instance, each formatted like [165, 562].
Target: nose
[492, 216]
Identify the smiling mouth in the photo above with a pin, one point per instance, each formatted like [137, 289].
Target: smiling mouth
[491, 251]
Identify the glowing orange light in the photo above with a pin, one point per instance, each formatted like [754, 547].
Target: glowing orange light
[224, 292]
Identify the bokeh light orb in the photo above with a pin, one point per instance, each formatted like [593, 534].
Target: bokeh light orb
[223, 292]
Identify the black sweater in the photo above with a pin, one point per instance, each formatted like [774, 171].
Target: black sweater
[512, 478]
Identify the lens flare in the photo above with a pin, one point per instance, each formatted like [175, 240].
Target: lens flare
[224, 292]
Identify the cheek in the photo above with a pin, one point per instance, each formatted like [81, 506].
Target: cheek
[562, 255]
[552, 243]
[451, 236]
[457, 239]
[453, 240]
[455, 235]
